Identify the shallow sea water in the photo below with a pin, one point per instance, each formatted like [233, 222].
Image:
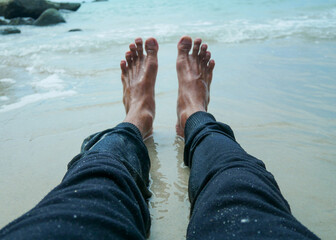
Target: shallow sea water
[274, 84]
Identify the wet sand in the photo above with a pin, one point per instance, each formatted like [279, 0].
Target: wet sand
[278, 97]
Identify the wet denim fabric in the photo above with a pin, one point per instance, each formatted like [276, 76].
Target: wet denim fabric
[232, 195]
[103, 194]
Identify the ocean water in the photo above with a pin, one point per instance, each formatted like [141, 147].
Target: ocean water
[274, 83]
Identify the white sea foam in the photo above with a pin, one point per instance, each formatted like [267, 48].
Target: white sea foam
[36, 98]
[52, 82]
[3, 98]
[7, 80]
[54, 86]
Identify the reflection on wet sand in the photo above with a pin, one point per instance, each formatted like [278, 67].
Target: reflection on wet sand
[182, 172]
[169, 182]
[159, 185]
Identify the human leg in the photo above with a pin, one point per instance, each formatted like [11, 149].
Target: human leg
[232, 194]
[102, 196]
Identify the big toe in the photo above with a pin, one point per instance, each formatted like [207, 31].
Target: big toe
[151, 47]
[184, 45]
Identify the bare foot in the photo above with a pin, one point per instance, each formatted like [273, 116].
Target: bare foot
[138, 75]
[194, 73]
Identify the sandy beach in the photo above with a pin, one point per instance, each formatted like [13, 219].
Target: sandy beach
[277, 93]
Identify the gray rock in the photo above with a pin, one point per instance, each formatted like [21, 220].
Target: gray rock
[21, 21]
[11, 30]
[49, 17]
[3, 5]
[3, 22]
[25, 8]
[75, 30]
[68, 6]
[31, 8]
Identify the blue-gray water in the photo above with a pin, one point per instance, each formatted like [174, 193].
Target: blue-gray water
[274, 83]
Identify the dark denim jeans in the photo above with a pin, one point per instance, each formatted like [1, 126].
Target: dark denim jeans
[103, 195]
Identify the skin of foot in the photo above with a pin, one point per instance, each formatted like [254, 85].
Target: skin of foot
[138, 76]
[194, 73]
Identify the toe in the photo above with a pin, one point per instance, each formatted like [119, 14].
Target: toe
[204, 62]
[151, 47]
[184, 45]
[128, 57]
[197, 44]
[211, 65]
[123, 67]
[133, 49]
[204, 47]
[210, 69]
[124, 74]
[207, 57]
[138, 43]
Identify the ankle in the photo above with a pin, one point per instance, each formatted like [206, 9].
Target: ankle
[143, 120]
[185, 114]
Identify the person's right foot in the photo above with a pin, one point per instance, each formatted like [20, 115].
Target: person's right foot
[194, 73]
[138, 75]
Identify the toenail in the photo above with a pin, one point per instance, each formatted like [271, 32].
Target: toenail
[151, 42]
[185, 41]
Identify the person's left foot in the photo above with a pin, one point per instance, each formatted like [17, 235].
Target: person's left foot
[194, 73]
[138, 75]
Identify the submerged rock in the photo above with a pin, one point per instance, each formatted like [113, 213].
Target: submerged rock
[49, 17]
[31, 8]
[21, 21]
[11, 30]
[75, 30]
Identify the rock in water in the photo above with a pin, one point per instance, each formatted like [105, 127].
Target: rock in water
[49, 17]
[3, 22]
[75, 30]
[25, 8]
[31, 8]
[7, 31]
[68, 6]
[21, 21]
[3, 5]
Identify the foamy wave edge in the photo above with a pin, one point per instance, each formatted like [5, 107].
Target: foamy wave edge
[312, 28]
[33, 98]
